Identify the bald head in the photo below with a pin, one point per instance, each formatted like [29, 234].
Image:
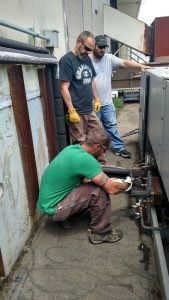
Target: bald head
[98, 136]
[85, 35]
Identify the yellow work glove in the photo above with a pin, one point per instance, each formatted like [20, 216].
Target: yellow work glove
[73, 115]
[97, 104]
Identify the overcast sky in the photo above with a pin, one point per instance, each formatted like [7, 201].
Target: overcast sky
[151, 9]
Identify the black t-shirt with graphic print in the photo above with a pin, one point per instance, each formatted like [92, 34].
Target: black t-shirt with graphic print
[80, 74]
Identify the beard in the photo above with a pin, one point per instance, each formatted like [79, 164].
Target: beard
[98, 55]
[97, 154]
[81, 55]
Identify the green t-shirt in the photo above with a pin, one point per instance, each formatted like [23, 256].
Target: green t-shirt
[65, 172]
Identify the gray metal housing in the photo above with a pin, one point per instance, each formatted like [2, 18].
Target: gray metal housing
[154, 143]
[154, 119]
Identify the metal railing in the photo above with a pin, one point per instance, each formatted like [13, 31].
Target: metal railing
[21, 29]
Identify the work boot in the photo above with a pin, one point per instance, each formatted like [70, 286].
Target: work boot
[111, 237]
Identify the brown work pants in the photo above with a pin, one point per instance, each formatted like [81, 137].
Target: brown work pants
[79, 131]
[89, 196]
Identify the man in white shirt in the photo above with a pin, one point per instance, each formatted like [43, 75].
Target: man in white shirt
[104, 64]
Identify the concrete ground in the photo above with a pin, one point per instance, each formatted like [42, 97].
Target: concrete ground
[62, 264]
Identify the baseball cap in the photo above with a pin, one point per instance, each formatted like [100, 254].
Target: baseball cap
[101, 40]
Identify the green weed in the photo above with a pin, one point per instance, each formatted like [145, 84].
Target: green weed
[118, 103]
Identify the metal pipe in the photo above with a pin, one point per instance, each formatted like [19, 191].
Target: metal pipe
[140, 193]
[160, 257]
[116, 52]
[148, 227]
[13, 56]
[144, 193]
[8, 43]
[66, 31]
[21, 29]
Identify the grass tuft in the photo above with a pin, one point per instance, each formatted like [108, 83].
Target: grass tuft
[118, 103]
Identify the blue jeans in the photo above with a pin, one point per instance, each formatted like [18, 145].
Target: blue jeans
[107, 115]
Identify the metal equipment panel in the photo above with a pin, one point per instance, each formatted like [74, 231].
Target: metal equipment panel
[142, 113]
[164, 170]
[154, 143]
[156, 115]
[153, 119]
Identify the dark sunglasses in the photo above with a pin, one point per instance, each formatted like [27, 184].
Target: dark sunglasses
[102, 47]
[87, 48]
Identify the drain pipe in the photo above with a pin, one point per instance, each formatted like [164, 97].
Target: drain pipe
[65, 26]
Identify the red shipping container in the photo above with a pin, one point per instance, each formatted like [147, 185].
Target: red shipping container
[161, 39]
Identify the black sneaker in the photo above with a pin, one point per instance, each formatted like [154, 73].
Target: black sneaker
[124, 153]
[111, 237]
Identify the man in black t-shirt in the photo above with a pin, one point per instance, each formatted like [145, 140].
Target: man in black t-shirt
[78, 88]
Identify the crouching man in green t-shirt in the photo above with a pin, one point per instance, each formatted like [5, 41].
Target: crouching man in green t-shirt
[74, 181]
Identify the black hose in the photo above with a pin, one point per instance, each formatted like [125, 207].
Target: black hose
[134, 131]
[140, 193]
[8, 43]
[116, 171]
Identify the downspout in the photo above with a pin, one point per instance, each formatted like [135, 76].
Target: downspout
[82, 15]
[66, 32]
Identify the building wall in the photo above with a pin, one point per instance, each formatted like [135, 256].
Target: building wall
[83, 15]
[37, 15]
[161, 39]
[15, 220]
